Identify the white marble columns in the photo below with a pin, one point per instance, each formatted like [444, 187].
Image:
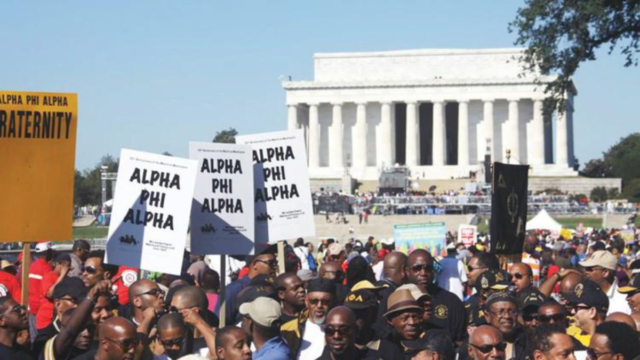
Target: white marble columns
[338, 133]
[359, 138]
[314, 136]
[412, 154]
[386, 142]
[463, 133]
[336, 139]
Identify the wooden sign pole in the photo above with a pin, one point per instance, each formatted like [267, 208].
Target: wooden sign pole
[281, 268]
[26, 261]
[221, 293]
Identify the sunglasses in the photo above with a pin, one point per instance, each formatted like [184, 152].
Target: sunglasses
[68, 299]
[529, 317]
[548, 318]
[580, 307]
[153, 292]
[126, 344]
[343, 331]
[518, 276]
[591, 269]
[471, 268]
[270, 263]
[419, 267]
[18, 309]
[485, 349]
[89, 269]
[315, 301]
[172, 342]
[592, 354]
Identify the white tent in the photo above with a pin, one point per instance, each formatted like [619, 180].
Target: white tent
[543, 221]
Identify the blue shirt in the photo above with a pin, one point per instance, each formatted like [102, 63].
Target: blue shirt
[274, 349]
[231, 293]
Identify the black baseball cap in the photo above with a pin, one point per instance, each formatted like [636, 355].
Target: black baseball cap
[500, 296]
[72, 287]
[493, 280]
[361, 299]
[530, 297]
[589, 293]
[251, 293]
[321, 285]
[632, 287]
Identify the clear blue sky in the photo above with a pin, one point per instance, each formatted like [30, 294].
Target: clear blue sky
[153, 75]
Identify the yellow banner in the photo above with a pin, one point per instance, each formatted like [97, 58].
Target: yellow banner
[37, 159]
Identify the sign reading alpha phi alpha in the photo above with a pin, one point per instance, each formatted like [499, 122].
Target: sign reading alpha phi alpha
[282, 195]
[150, 216]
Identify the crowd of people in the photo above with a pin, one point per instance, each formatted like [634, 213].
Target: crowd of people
[558, 300]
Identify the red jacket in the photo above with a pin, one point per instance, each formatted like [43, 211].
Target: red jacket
[37, 270]
[10, 286]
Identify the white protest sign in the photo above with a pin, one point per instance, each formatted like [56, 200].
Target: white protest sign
[467, 234]
[151, 209]
[222, 214]
[283, 207]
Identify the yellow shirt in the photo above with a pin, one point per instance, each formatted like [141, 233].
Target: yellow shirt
[577, 333]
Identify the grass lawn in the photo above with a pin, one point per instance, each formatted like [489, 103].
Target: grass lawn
[90, 232]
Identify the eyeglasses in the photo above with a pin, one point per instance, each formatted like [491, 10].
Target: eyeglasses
[580, 307]
[172, 342]
[126, 344]
[592, 354]
[471, 268]
[343, 331]
[420, 267]
[153, 292]
[485, 349]
[548, 318]
[270, 263]
[89, 269]
[518, 276]
[505, 312]
[18, 309]
[315, 301]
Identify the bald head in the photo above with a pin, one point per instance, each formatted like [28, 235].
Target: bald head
[419, 253]
[636, 319]
[569, 282]
[170, 321]
[485, 334]
[331, 270]
[140, 287]
[395, 267]
[190, 297]
[395, 259]
[622, 318]
[341, 314]
[117, 327]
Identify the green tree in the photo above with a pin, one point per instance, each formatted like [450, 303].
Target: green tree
[88, 183]
[599, 194]
[632, 190]
[561, 34]
[226, 136]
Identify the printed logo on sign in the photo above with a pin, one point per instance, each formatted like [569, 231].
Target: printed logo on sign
[128, 239]
[129, 277]
[3, 291]
[208, 228]
[441, 312]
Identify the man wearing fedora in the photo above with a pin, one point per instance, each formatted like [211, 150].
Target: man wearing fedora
[404, 316]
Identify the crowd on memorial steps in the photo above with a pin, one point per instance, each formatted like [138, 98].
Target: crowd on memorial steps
[561, 299]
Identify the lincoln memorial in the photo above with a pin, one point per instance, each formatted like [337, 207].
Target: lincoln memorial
[436, 111]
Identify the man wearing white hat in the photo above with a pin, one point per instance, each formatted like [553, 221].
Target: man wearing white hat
[600, 268]
[37, 270]
[261, 319]
[453, 276]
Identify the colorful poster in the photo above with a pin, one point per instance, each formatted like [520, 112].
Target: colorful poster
[38, 147]
[429, 236]
[627, 235]
[151, 211]
[282, 195]
[222, 211]
[467, 234]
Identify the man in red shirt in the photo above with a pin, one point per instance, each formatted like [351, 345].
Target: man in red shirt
[47, 288]
[37, 270]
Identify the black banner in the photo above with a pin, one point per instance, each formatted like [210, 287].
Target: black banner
[509, 208]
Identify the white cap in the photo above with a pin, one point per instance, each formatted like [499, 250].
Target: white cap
[388, 241]
[44, 246]
[263, 310]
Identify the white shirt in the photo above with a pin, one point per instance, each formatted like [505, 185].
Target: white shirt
[452, 276]
[617, 301]
[302, 252]
[377, 270]
[312, 342]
